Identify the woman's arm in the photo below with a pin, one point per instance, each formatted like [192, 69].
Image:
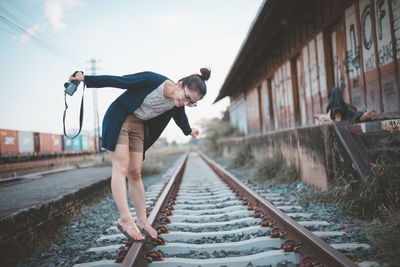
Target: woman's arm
[181, 120]
[123, 82]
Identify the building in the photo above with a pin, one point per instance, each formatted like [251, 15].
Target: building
[296, 50]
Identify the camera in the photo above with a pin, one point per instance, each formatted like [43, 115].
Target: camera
[71, 87]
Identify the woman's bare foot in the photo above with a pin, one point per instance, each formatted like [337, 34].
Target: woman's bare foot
[338, 116]
[147, 227]
[317, 116]
[128, 225]
[368, 115]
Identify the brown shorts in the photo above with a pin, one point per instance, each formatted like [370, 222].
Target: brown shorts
[132, 133]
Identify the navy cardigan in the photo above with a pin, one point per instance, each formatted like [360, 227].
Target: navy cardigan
[138, 86]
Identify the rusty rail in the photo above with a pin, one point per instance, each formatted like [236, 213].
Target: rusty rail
[134, 255]
[310, 243]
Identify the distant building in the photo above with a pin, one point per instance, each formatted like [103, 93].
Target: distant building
[296, 50]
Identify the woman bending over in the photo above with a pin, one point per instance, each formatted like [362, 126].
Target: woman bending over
[132, 123]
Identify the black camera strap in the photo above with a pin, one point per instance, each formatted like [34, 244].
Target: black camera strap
[80, 115]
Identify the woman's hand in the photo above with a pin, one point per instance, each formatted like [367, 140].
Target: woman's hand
[78, 77]
[195, 132]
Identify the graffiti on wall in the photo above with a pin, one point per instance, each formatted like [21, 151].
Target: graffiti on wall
[300, 82]
[306, 72]
[321, 63]
[289, 84]
[313, 68]
[384, 37]
[353, 49]
[396, 24]
[367, 38]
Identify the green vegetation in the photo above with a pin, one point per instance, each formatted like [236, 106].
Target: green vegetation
[364, 198]
[157, 159]
[376, 197]
[243, 158]
[385, 237]
[217, 130]
[275, 169]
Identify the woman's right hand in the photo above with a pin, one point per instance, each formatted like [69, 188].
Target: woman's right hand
[78, 77]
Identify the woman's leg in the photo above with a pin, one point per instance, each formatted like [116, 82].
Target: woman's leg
[120, 166]
[337, 105]
[368, 115]
[338, 116]
[137, 193]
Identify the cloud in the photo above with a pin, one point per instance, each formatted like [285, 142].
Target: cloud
[54, 10]
[29, 33]
[173, 20]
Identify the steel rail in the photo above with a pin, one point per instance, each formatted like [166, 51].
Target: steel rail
[310, 243]
[134, 255]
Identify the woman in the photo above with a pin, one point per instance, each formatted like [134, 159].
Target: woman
[338, 110]
[132, 123]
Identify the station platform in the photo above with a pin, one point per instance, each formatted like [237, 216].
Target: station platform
[34, 192]
[35, 206]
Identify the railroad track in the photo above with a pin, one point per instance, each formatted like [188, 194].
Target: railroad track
[207, 217]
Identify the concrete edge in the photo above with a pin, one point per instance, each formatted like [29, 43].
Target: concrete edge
[20, 230]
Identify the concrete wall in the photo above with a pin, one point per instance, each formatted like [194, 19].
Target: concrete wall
[311, 148]
[318, 152]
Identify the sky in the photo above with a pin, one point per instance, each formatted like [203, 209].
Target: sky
[43, 41]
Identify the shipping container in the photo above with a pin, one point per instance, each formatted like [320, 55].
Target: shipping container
[8, 142]
[47, 144]
[25, 143]
[56, 144]
[66, 145]
[85, 143]
[93, 143]
[77, 144]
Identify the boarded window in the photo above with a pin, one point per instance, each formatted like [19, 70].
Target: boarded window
[356, 85]
[390, 92]
[237, 115]
[368, 50]
[253, 119]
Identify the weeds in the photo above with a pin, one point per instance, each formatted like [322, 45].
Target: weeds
[152, 166]
[385, 237]
[364, 198]
[377, 197]
[217, 130]
[157, 159]
[367, 198]
[243, 157]
[275, 169]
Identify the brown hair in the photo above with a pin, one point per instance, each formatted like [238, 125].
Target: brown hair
[196, 82]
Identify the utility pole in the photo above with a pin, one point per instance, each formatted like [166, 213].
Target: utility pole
[96, 123]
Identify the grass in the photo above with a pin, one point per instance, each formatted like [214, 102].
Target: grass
[364, 198]
[218, 129]
[243, 158]
[376, 198]
[385, 237]
[157, 159]
[275, 169]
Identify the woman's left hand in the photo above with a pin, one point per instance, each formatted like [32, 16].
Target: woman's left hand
[195, 132]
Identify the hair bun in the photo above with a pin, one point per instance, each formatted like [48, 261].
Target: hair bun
[205, 73]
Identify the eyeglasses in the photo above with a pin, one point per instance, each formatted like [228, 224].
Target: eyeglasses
[188, 99]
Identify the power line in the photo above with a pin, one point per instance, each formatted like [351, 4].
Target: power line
[31, 21]
[14, 25]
